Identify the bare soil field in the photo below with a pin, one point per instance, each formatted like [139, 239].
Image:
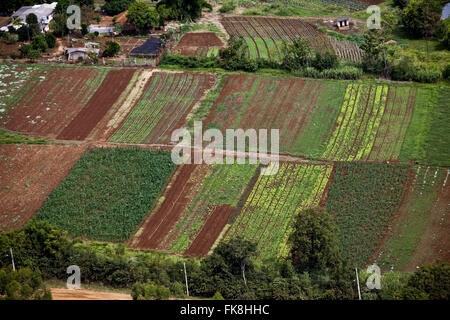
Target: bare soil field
[51, 99]
[102, 100]
[197, 43]
[210, 231]
[28, 174]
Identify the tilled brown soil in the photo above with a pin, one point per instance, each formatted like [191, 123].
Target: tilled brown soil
[210, 231]
[154, 228]
[52, 103]
[28, 174]
[103, 99]
[197, 43]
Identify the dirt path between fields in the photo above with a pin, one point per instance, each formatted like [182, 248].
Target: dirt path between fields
[82, 294]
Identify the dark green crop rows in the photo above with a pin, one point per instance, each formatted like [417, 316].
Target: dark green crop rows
[364, 198]
[108, 192]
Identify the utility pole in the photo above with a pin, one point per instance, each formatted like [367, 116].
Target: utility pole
[357, 281]
[243, 273]
[185, 277]
[12, 259]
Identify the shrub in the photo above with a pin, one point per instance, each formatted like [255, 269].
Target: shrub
[112, 48]
[189, 62]
[50, 39]
[39, 43]
[227, 7]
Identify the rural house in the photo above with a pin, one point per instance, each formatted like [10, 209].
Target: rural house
[343, 23]
[74, 54]
[43, 12]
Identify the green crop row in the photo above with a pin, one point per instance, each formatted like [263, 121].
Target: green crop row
[108, 192]
[272, 203]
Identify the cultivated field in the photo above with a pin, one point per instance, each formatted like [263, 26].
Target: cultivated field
[420, 232]
[44, 101]
[200, 196]
[264, 35]
[28, 174]
[163, 106]
[364, 199]
[203, 44]
[346, 50]
[108, 192]
[272, 203]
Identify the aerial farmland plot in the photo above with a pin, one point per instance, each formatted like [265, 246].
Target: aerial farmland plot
[28, 174]
[163, 106]
[264, 35]
[50, 99]
[107, 192]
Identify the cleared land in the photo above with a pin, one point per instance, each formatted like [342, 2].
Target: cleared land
[108, 192]
[82, 294]
[103, 99]
[28, 174]
[203, 44]
[163, 106]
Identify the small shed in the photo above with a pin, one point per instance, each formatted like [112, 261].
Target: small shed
[343, 23]
[101, 30]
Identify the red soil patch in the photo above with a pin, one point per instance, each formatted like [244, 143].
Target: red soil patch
[103, 99]
[28, 174]
[210, 231]
[155, 227]
[197, 43]
[52, 102]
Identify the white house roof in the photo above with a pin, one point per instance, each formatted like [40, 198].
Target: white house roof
[40, 10]
[100, 30]
[72, 50]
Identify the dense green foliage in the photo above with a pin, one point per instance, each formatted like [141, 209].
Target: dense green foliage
[112, 48]
[183, 10]
[142, 16]
[9, 137]
[422, 17]
[113, 7]
[363, 199]
[23, 284]
[108, 192]
[314, 243]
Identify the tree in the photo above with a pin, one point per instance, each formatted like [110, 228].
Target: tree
[443, 32]
[326, 61]
[234, 56]
[314, 243]
[401, 3]
[84, 29]
[113, 7]
[296, 55]
[433, 280]
[185, 10]
[39, 43]
[421, 17]
[112, 48]
[50, 39]
[59, 25]
[142, 16]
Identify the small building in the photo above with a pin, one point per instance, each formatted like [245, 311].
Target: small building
[101, 30]
[43, 12]
[343, 23]
[74, 54]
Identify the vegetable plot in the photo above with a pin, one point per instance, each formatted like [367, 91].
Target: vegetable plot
[372, 123]
[108, 192]
[264, 35]
[364, 198]
[163, 107]
[272, 203]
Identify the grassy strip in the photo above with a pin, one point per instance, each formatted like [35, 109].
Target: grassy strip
[7, 137]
